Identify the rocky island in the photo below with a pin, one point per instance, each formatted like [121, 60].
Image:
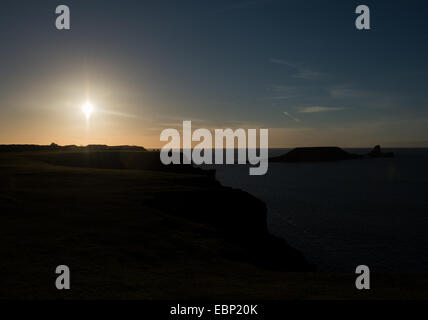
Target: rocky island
[321, 154]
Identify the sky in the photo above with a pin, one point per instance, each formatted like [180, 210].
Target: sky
[298, 68]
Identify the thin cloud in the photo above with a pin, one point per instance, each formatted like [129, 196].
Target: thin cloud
[282, 97]
[282, 62]
[282, 88]
[282, 92]
[308, 74]
[119, 114]
[368, 98]
[316, 109]
[345, 91]
[291, 117]
[301, 73]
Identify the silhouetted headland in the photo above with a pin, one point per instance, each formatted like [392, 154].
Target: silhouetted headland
[124, 213]
[321, 154]
[103, 157]
[55, 147]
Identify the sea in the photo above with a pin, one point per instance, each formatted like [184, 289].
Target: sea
[343, 214]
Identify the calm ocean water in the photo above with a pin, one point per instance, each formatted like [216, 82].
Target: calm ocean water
[347, 213]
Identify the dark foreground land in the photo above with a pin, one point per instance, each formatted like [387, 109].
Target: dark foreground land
[129, 229]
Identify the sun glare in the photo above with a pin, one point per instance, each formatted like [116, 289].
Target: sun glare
[87, 109]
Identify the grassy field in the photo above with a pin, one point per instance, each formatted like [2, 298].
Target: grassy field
[143, 234]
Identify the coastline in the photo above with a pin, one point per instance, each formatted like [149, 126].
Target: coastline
[136, 224]
[124, 236]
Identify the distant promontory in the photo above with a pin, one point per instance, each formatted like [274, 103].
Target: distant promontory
[322, 154]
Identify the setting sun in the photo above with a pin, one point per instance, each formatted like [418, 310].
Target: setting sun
[88, 109]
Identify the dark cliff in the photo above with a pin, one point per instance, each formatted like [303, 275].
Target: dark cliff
[237, 218]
